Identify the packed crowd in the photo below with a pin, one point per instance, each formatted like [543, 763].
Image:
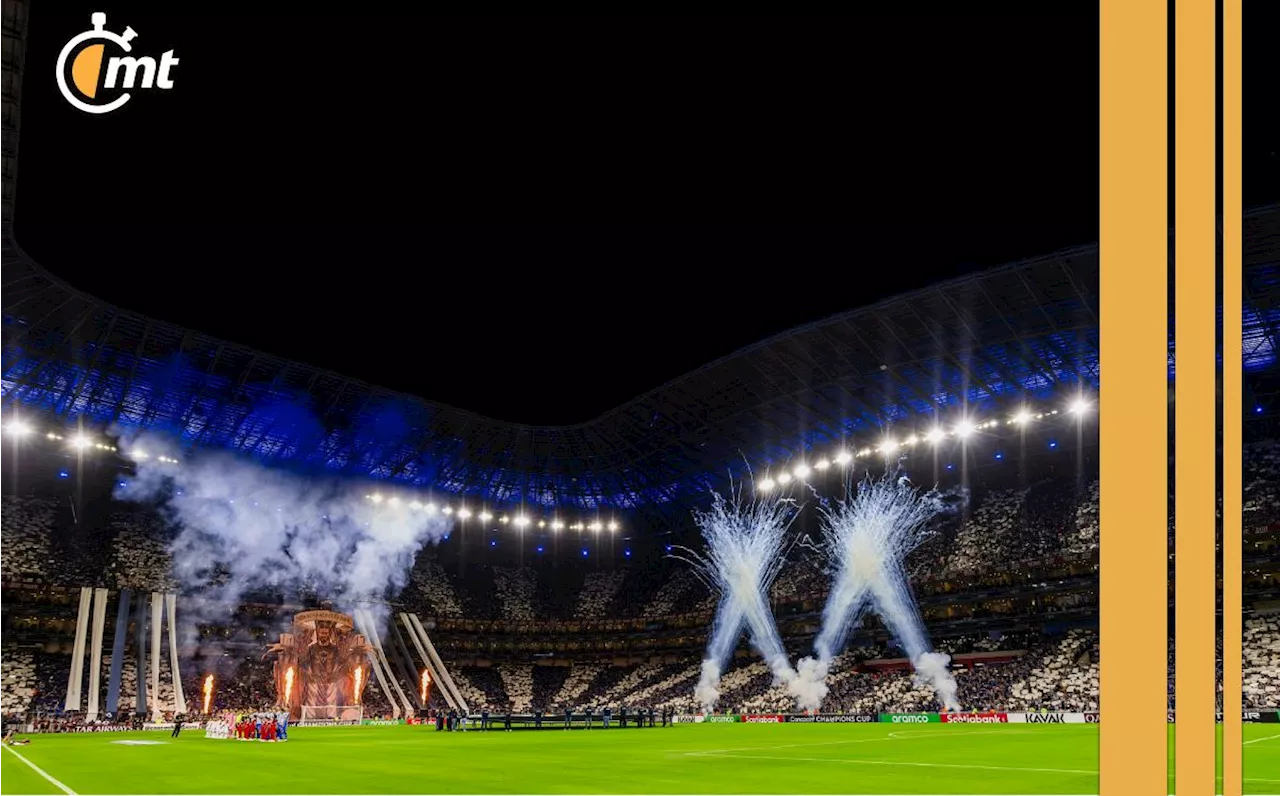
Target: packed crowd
[1050, 521]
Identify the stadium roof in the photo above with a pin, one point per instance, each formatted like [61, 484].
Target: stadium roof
[986, 342]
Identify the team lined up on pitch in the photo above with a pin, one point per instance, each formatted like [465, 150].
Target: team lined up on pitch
[250, 727]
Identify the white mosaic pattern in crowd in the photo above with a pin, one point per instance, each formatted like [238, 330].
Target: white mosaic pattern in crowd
[517, 682]
[1064, 678]
[472, 695]
[1262, 662]
[981, 540]
[515, 590]
[1262, 484]
[598, 591]
[431, 582]
[671, 594]
[17, 681]
[625, 689]
[1084, 539]
[680, 680]
[576, 684]
[140, 553]
[25, 525]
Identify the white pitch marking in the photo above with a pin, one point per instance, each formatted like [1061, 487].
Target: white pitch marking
[41, 772]
[1078, 771]
[1259, 740]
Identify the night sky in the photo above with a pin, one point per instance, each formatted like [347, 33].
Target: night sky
[541, 218]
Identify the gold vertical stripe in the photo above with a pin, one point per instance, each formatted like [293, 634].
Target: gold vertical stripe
[1232, 398]
[1195, 428]
[1133, 423]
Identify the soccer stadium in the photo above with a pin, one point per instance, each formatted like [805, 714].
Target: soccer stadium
[226, 572]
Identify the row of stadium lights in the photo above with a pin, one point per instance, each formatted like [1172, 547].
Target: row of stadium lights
[77, 442]
[962, 430]
[519, 520]
[83, 442]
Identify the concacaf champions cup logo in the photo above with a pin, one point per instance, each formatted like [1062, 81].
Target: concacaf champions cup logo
[322, 666]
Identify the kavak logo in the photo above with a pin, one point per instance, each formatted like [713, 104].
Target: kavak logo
[95, 89]
[1046, 718]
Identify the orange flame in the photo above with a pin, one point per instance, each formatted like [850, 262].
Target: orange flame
[288, 684]
[426, 683]
[208, 693]
[359, 677]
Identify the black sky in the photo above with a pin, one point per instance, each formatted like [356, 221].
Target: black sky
[540, 218]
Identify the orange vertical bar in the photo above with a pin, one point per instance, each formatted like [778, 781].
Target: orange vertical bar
[1232, 399]
[1133, 400]
[1195, 427]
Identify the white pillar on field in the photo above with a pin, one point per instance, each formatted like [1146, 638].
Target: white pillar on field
[95, 658]
[76, 677]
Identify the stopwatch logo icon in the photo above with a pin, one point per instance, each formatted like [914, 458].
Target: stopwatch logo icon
[93, 88]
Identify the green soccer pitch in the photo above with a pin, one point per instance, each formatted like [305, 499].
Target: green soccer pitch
[728, 758]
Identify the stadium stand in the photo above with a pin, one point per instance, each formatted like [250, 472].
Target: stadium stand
[1014, 571]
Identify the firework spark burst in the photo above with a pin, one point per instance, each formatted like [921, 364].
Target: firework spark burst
[745, 549]
[867, 536]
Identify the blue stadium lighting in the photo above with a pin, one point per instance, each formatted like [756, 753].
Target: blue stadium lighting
[1257, 409]
[1053, 444]
[951, 467]
[63, 474]
[539, 548]
[668, 548]
[627, 553]
[123, 484]
[493, 542]
[584, 553]
[999, 455]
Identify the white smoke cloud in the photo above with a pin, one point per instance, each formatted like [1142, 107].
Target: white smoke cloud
[810, 686]
[242, 527]
[934, 669]
[707, 691]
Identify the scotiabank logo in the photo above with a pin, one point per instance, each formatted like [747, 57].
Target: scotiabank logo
[764, 719]
[977, 718]
[94, 77]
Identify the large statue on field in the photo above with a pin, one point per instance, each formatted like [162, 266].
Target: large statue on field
[321, 667]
